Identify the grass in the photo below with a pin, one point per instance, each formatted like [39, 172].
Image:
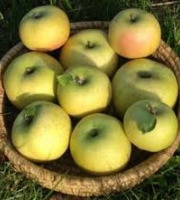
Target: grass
[165, 184]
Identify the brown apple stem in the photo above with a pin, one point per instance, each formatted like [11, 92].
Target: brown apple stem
[144, 74]
[80, 80]
[29, 70]
[90, 45]
[152, 109]
[37, 15]
[132, 17]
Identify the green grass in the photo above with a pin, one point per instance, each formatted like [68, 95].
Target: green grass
[165, 184]
[15, 186]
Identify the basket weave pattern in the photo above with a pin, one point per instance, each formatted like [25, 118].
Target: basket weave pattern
[68, 178]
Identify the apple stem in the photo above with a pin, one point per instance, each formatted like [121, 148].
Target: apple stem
[152, 109]
[79, 80]
[29, 70]
[67, 78]
[90, 45]
[133, 18]
[144, 74]
[37, 15]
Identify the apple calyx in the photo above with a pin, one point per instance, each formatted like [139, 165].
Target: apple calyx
[90, 45]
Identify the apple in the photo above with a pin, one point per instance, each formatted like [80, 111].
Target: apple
[99, 145]
[30, 77]
[44, 28]
[150, 125]
[89, 47]
[41, 131]
[140, 79]
[134, 33]
[83, 90]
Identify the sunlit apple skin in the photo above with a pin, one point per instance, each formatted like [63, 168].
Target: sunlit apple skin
[134, 33]
[41, 131]
[31, 77]
[98, 144]
[140, 79]
[83, 90]
[44, 28]
[89, 47]
[150, 125]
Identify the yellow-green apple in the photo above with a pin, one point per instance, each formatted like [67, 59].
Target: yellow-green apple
[89, 47]
[134, 33]
[150, 125]
[99, 145]
[83, 90]
[41, 131]
[44, 28]
[143, 78]
[31, 77]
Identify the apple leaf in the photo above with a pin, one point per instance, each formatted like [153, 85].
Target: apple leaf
[64, 79]
[29, 113]
[147, 123]
[145, 119]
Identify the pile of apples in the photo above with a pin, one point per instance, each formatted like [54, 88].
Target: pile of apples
[87, 101]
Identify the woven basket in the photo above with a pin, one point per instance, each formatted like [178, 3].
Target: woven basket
[63, 175]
